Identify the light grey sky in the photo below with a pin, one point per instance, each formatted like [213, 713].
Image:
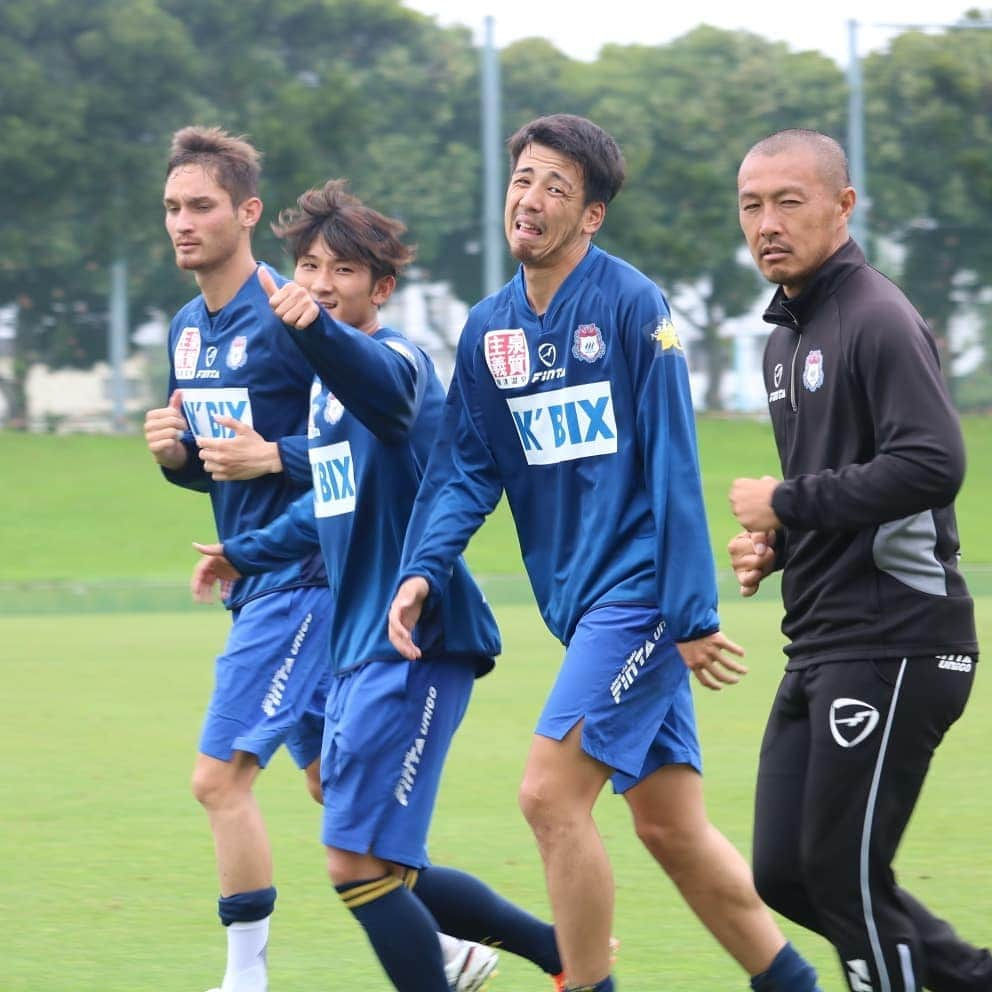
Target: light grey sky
[580, 30]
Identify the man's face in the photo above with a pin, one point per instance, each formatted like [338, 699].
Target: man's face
[205, 228]
[546, 218]
[344, 289]
[793, 219]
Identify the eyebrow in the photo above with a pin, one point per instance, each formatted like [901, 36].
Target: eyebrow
[552, 174]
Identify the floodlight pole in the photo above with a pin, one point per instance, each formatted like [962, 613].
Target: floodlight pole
[856, 137]
[492, 171]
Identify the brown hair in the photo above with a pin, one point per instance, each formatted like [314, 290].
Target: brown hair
[234, 163]
[350, 229]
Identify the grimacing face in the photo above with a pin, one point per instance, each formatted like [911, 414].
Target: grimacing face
[546, 219]
[792, 217]
[345, 289]
[205, 228]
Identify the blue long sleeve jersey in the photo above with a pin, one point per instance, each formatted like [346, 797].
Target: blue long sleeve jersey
[374, 413]
[239, 362]
[583, 416]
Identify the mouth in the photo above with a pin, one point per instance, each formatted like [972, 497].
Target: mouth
[327, 305]
[773, 253]
[527, 228]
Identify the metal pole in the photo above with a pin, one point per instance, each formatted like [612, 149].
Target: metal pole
[492, 167]
[117, 344]
[856, 137]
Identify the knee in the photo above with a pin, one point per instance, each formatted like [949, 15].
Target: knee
[776, 886]
[547, 812]
[671, 842]
[216, 783]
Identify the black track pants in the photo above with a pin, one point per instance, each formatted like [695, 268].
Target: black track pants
[844, 756]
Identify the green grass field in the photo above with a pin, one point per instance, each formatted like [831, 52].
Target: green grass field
[107, 881]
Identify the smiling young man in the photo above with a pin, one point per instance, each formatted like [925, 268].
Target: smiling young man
[571, 394]
[374, 414]
[882, 647]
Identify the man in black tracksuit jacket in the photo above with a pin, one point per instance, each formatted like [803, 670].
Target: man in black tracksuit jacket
[882, 647]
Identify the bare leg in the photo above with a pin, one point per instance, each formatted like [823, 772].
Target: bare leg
[559, 789]
[224, 789]
[714, 879]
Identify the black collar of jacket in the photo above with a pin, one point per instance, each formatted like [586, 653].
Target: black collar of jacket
[796, 310]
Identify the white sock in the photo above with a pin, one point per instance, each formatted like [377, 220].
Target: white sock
[450, 946]
[246, 947]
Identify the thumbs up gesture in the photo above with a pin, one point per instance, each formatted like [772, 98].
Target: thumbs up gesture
[291, 303]
[247, 455]
[164, 428]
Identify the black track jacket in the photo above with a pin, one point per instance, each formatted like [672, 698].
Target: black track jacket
[872, 457]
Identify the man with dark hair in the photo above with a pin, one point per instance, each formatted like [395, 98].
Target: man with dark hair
[571, 394]
[373, 418]
[882, 648]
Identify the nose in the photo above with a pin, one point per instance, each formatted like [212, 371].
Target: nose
[531, 198]
[769, 224]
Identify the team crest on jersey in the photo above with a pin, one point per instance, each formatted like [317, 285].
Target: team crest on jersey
[237, 354]
[587, 344]
[187, 353]
[665, 336]
[813, 371]
[508, 357]
[333, 409]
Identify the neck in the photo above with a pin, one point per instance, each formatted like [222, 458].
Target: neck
[219, 286]
[543, 282]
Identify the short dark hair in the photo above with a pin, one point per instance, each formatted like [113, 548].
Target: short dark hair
[234, 162]
[350, 229]
[829, 153]
[588, 145]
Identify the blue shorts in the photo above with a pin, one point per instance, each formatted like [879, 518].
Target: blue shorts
[624, 678]
[389, 726]
[270, 684]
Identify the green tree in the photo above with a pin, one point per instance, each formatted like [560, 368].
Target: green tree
[929, 123]
[685, 113]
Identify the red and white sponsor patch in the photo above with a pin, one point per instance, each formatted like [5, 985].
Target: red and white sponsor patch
[508, 357]
[187, 353]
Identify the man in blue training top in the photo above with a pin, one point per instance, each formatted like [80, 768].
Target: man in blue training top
[374, 414]
[236, 381]
[571, 394]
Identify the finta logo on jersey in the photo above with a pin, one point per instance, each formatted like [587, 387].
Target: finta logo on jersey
[333, 480]
[202, 406]
[777, 393]
[547, 353]
[851, 721]
[508, 357]
[564, 424]
[588, 344]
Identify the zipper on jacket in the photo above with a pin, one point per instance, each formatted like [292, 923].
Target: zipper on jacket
[792, 374]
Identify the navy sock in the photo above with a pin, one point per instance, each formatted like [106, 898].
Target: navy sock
[401, 932]
[467, 908]
[789, 972]
[246, 907]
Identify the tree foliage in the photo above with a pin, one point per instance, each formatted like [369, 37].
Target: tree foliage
[90, 94]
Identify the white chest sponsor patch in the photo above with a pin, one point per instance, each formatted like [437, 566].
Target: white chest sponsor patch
[187, 353]
[202, 406]
[508, 357]
[333, 480]
[564, 424]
